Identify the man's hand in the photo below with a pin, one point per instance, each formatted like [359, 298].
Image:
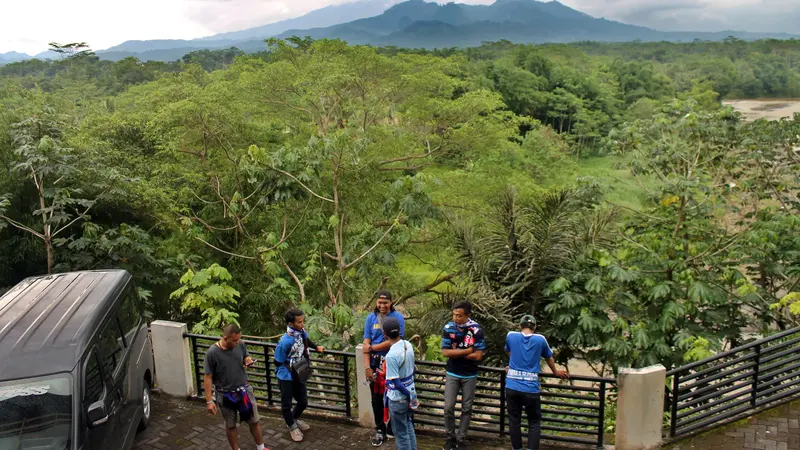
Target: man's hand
[320, 349]
[248, 360]
[370, 373]
[367, 348]
[561, 374]
[211, 408]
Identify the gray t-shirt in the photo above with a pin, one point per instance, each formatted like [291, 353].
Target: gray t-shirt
[226, 367]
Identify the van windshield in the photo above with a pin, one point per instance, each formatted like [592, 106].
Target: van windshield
[36, 413]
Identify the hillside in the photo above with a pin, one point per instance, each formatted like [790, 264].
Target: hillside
[418, 24]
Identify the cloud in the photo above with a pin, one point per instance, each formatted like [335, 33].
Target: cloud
[699, 15]
[28, 25]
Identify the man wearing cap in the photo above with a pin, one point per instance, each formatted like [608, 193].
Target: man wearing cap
[526, 350]
[375, 349]
[401, 394]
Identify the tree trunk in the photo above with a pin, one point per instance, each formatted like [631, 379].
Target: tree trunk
[49, 246]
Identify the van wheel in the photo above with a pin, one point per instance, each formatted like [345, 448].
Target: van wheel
[147, 406]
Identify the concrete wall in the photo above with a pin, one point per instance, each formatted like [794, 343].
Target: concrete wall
[365, 417]
[640, 408]
[172, 357]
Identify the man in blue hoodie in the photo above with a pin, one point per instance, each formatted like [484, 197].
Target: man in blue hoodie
[292, 348]
[526, 350]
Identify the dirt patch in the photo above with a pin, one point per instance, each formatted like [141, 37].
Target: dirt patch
[773, 109]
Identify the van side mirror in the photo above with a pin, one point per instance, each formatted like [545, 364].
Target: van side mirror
[97, 414]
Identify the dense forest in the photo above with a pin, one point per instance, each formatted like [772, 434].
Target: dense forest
[602, 187]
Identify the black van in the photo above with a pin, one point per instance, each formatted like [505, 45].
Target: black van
[76, 364]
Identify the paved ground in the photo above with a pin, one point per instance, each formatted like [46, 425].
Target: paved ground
[777, 429]
[184, 425]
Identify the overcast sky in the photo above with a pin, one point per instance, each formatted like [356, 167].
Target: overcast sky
[28, 25]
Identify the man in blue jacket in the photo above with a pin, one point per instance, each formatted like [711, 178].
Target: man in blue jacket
[376, 346]
[463, 344]
[293, 346]
[526, 350]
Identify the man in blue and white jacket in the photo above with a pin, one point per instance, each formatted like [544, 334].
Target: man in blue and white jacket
[526, 350]
[293, 346]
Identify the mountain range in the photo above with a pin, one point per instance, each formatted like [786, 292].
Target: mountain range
[420, 24]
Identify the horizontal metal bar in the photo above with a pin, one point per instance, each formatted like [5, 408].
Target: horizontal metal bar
[766, 376]
[569, 430]
[748, 388]
[775, 398]
[582, 423]
[569, 405]
[772, 390]
[572, 396]
[711, 387]
[766, 383]
[571, 388]
[772, 348]
[706, 412]
[562, 412]
[713, 369]
[570, 439]
[778, 355]
[714, 420]
[733, 351]
[765, 370]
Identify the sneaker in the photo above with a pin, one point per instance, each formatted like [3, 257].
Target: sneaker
[302, 425]
[448, 445]
[296, 435]
[378, 439]
[389, 435]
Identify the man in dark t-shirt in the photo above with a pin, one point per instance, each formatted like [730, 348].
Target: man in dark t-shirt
[225, 379]
[463, 344]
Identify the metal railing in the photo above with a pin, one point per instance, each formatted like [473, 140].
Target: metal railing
[572, 411]
[731, 385]
[328, 388]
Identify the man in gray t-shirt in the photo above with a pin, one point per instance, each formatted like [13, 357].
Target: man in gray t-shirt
[224, 369]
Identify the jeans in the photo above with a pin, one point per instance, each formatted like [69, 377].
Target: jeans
[532, 404]
[297, 390]
[452, 387]
[401, 416]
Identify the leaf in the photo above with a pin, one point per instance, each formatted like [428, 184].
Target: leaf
[595, 284]
[201, 279]
[660, 290]
[699, 291]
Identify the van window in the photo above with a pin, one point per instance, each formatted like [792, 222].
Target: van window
[130, 315]
[111, 347]
[93, 380]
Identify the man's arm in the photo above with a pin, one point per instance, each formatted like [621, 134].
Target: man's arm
[454, 353]
[383, 346]
[559, 373]
[476, 355]
[208, 390]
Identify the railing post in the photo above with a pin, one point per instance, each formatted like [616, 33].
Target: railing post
[673, 416]
[601, 420]
[640, 408]
[348, 410]
[173, 358]
[754, 394]
[502, 403]
[268, 366]
[364, 394]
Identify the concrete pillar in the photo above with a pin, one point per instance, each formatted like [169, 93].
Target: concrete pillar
[365, 417]
[640, 408]
[173, 358]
